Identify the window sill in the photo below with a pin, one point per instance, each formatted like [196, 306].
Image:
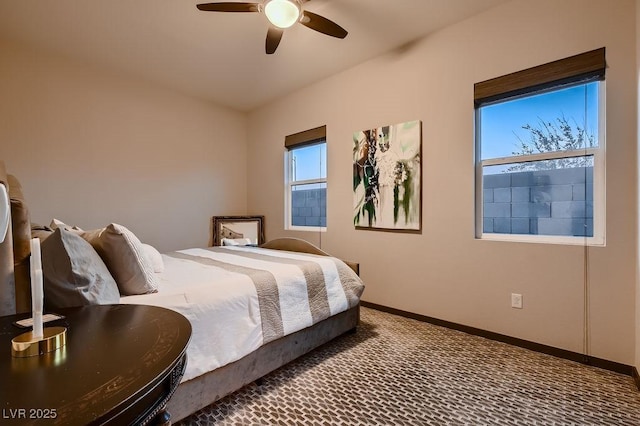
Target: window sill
[544, 239]
[307, 228]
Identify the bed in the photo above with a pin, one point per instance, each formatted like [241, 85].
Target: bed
[218, 362]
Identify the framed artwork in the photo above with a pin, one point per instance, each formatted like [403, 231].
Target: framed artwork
[387, 178]
[238, 228]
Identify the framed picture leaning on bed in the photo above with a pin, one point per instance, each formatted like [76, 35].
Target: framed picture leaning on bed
[238, 230]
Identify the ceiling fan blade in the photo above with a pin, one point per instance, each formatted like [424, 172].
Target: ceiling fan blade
[274, 35]
[228, 7]
[322, 24]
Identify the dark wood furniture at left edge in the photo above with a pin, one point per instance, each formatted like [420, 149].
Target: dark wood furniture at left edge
[121, 364]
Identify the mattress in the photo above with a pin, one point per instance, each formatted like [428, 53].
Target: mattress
[239, 298]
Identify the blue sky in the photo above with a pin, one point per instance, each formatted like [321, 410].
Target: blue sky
[500, 121]
[311, 162]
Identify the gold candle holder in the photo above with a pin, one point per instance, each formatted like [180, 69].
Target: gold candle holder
[26, 345]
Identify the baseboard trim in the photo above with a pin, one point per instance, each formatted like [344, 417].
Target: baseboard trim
[538, 347]
[636, 377]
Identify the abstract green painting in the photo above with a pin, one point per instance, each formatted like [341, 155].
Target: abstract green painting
[387, 177]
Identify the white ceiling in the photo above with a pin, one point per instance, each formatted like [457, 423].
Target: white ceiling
[220, 56]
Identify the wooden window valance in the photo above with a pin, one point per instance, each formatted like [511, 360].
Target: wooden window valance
[308, 137]
[579, 68]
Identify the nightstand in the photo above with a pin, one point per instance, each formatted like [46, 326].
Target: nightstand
[120, 364]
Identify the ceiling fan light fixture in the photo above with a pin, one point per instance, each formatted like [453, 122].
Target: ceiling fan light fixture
[282, 13]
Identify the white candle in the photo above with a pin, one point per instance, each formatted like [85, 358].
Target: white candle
[37, 291]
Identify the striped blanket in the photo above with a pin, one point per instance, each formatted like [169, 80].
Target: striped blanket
[294, 290]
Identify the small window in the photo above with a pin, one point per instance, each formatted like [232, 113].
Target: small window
[540, 153]
[306, 180]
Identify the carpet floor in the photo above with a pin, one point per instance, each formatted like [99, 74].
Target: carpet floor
[399, 371]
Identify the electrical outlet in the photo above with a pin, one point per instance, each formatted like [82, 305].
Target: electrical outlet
[516, 300]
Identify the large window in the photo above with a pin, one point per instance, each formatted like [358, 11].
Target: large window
[306, 180]
[540, 153]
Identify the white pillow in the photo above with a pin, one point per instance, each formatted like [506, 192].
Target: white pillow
[55, 224]
[154, 256]
[235, 241]
[125, 257]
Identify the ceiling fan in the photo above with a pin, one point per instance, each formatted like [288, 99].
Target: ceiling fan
[282, 14]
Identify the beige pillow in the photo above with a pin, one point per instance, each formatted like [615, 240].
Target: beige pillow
[74, 274]
[125, 257]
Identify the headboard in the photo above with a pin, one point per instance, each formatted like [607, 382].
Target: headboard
[15, 290]
[302, 246]
[293, 244]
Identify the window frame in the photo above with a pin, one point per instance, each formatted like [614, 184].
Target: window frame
[293, 142]
[492, 95]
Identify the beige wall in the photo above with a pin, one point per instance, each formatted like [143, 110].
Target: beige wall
[637, 360]
[93, 147]
[444, 272]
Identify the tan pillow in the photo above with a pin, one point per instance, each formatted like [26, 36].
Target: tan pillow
[125, 257]
[74, 274]
[40, 231]
[90, 236]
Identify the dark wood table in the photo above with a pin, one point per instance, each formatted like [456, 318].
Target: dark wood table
[120, 365]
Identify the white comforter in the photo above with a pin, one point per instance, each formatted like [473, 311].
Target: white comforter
[223, 305]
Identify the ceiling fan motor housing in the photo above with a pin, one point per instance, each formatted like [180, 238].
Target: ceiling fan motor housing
[282, 13]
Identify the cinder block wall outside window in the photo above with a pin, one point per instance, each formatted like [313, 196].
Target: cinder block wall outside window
[309, 207]
[549, 202]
